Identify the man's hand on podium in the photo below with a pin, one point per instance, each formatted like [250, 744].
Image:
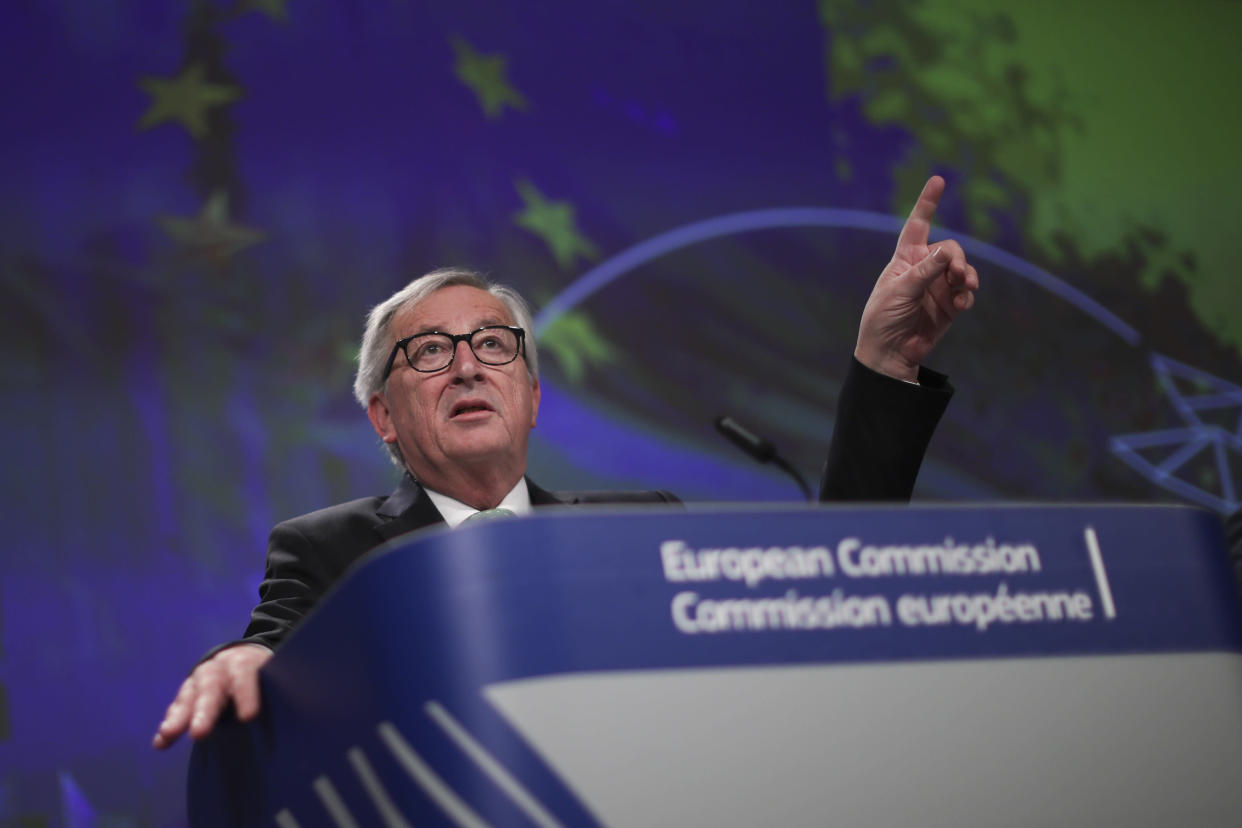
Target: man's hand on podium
[229, 675]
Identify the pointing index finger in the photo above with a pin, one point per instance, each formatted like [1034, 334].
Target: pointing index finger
[918, 226]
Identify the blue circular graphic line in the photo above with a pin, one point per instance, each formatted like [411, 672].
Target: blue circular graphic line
[727, 225]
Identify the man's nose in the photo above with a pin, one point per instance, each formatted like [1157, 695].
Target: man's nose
[465, 365]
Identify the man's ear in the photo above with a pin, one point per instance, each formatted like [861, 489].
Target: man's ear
[534, 402]
[381, 418]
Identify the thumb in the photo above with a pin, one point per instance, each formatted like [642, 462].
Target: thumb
[926, 271]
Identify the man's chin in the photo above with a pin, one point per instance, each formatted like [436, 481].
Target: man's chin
[478, 444]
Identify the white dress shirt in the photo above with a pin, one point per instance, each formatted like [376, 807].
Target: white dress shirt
[455, 512]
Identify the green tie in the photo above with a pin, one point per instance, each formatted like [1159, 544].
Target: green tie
[489, 514]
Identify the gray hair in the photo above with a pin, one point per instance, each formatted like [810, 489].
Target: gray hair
[377, 343]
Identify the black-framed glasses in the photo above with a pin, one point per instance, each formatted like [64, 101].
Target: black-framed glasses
[434, 351]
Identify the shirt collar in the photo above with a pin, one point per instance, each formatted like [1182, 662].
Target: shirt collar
[454, 511]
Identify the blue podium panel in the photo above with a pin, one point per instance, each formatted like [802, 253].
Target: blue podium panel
[932, 666]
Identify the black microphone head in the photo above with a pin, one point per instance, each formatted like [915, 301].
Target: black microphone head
[745, 439]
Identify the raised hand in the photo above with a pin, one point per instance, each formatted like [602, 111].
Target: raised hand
[230, 675]
[917, 296]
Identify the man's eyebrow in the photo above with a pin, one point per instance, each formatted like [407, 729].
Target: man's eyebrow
[426, 329]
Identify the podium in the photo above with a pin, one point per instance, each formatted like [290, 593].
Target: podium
[1017, 665]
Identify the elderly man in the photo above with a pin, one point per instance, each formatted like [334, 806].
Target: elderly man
[450, 383]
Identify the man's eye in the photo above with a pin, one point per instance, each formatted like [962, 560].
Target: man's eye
[489, 343]
[430, 349]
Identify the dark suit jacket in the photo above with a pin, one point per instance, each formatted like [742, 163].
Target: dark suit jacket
[882, 430]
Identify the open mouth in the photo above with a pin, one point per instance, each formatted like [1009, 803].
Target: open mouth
[469, 408]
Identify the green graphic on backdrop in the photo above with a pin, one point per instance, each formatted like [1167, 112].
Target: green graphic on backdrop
[556, 223]
[184, 99]
[1076, 118]
[486, 76]
[211, 233]
[577, 345]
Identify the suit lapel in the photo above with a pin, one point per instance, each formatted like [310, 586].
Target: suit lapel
[406, 509]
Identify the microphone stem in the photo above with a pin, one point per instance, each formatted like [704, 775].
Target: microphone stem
[792, 472]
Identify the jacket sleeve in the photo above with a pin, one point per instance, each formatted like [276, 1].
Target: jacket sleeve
[881, 433]
[305, 557]
[291, 585]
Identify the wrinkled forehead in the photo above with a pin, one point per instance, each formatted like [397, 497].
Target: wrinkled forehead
[453, 309]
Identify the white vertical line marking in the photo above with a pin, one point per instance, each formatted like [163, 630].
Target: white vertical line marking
[1101, 576]
[379, 797]
[285, 819]
[489, 764]
[427, 779]
[332, 802]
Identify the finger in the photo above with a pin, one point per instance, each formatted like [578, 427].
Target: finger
[953, 299]
[169, 730]
[176, 717]
[918, 226]
[209, 701]
[957, 273]
[246, 692]
[955, 256]
[183, 701]
[206, 711]
[971, 282]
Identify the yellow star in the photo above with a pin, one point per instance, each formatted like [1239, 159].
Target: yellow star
[210, 232]
[185, 99]
[485, 75]
[553, 221]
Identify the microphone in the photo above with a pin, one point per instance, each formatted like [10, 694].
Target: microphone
[759, 448]
[745, 439]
